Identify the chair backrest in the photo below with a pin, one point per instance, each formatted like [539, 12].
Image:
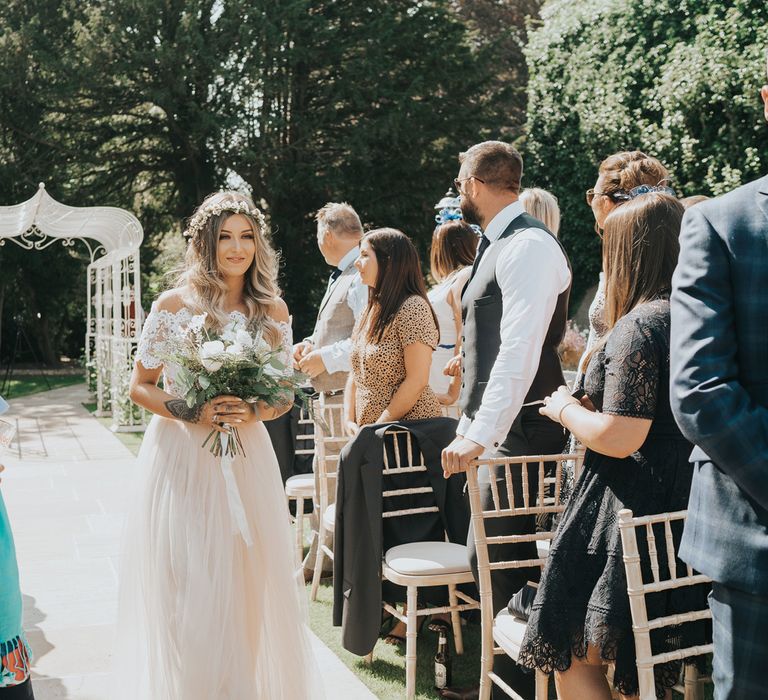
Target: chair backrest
[527, 485]
[666, 575]
[401, 456]
[329, 432]
[306, 437]
[452, 411]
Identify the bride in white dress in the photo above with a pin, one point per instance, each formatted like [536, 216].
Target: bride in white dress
[203, 616]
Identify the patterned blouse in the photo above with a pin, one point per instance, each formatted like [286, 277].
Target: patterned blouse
[379, 368]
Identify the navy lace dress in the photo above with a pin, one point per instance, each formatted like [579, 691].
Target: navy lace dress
[582, 598]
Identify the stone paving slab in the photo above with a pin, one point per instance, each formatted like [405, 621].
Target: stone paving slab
[65, 487]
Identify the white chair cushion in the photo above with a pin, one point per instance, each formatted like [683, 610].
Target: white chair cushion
[508, 632]
[428, 558]
[300, 486]
[329, 518]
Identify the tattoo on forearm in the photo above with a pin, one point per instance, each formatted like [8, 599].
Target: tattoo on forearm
[178, 409]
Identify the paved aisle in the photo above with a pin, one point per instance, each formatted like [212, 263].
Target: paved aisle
[64, 488]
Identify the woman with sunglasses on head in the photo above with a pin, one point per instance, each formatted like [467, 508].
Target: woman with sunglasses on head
[618, 175]
[636, 458]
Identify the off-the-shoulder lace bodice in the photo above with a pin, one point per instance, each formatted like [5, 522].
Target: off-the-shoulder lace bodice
[162, 328]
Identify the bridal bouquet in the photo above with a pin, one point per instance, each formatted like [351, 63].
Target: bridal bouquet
[235, 362]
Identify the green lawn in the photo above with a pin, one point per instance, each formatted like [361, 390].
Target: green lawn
[25, 385]
[385, 677]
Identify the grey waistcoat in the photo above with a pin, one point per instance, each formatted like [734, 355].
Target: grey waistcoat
[481, 337]
[335, 322]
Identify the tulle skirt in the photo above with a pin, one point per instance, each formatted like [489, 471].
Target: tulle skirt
[202, 615]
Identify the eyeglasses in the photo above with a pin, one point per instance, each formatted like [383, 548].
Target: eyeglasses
[457, 182]
[591, 193]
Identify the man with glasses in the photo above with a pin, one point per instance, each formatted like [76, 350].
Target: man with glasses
[515, 308]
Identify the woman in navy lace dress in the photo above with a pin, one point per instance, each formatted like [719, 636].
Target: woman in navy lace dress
[636, 458]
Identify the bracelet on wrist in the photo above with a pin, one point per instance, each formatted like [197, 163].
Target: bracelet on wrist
[560, 413]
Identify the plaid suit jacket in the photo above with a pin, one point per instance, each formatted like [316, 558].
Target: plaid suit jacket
[719, 388]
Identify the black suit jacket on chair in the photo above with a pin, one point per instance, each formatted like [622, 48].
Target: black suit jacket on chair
[358, 534]
[719, 390]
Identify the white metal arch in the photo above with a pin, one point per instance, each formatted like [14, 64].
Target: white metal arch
[113, 237]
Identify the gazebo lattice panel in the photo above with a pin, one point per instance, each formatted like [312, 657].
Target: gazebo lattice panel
[113, 237]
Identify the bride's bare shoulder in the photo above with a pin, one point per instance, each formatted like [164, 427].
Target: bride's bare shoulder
[278, 311]
[171, 300]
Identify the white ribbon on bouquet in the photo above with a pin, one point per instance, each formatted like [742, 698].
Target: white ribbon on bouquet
[236, 508]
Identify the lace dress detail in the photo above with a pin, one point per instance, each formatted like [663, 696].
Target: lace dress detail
[630, 377]
[162, 328]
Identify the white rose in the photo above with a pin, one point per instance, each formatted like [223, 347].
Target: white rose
[208, 352]
[271, 371]
[261, 345]
[197, 322]
[229, 332]
[235, 349]
[243, 338]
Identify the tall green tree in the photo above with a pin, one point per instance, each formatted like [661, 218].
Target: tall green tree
[154, 105]
[678, 79]
[41, 292]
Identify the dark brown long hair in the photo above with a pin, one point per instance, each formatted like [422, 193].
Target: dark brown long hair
[399, 277]
[640, 249]
[453, 246]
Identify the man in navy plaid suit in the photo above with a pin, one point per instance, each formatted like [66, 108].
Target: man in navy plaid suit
[719, 356]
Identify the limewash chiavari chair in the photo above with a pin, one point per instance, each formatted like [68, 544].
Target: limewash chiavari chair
[503, 634]
[420, 564]
[452, 411]
[329, 432]
[301, 487]
[637, 590]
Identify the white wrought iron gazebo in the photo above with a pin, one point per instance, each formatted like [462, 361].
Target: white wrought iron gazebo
[113, 237]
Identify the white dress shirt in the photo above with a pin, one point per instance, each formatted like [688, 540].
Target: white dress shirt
[336, 357]
[532, 272]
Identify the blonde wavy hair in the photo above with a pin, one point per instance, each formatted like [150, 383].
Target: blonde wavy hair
[201, 274]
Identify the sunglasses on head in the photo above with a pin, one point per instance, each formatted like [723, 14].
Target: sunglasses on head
[622, 196]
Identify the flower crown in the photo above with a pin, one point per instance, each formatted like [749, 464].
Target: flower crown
[201, 216]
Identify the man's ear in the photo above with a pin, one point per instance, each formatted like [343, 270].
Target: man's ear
[764, 95]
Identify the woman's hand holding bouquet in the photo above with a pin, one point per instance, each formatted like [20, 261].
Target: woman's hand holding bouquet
[231, 379]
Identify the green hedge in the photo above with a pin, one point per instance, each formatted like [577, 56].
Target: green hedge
[678, 79]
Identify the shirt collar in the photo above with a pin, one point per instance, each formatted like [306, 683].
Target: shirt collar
[349, 258]
[498, 224]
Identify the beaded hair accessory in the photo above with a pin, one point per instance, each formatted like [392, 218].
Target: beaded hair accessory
[201, 216]
[641, 190]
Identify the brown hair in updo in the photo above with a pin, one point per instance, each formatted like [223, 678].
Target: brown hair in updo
[623, 171]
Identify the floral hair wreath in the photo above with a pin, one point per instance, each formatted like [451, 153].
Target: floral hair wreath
[201, 216]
